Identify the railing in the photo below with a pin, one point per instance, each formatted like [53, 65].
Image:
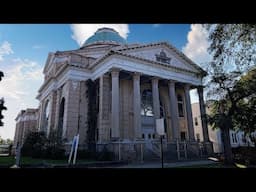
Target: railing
[181, 149]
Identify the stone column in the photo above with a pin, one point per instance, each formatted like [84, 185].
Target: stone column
[41, 121]
[52, 111]
[115, 132]
[136, 105]
[174, 111]
[40, 116]
[58, 100]
[203, 113]
[191, 133]
[156, 102]
[104, 90]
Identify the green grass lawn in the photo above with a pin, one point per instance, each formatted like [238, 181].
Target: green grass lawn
[7, 160]
[28, 160]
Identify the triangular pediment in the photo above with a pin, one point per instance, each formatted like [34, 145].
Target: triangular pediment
[164, 53]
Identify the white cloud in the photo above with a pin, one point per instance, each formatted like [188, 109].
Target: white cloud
[196, 50]
[5, 49]
[196, 47]
[156, 25]
[81, 32]
[19, 86]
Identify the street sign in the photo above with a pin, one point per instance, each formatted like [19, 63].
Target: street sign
[160, 126]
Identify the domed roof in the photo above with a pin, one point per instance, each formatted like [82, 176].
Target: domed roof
[105, 35]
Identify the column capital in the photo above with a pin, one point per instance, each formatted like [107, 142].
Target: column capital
[200, 87]
[136, 75]
[155, 79]
[115, 72]
[171, 82]
[187, 86]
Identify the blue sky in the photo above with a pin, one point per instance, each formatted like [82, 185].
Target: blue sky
[24, 49]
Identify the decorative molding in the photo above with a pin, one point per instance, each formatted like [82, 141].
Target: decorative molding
[157, 44]
[162, 57]
[144, 69]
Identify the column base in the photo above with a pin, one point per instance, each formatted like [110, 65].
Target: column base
[208, 147]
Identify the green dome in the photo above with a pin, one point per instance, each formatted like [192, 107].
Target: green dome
[105, 35]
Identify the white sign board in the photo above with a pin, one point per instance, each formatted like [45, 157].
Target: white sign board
[160, 126]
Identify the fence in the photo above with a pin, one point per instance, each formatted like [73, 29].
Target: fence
[5, 150]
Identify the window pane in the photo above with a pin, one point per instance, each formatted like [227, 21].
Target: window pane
[180, 108]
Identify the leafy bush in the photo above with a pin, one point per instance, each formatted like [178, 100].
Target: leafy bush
[34, 144]
[37, 145]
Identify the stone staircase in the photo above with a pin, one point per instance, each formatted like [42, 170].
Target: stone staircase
[156, 149]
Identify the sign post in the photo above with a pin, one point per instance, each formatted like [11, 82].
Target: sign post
[73, 149]
[76, 147]
[160, 131]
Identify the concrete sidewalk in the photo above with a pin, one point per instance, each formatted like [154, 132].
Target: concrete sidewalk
[167, 165]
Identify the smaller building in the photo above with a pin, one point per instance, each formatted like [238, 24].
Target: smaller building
[214, 135]
[26, 121]
[237, 138]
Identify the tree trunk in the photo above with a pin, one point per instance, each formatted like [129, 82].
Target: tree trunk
[227, 146]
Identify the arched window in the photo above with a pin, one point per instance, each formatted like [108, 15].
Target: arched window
[61, 116]
[196, 121]
[180, 106]
[147, 103]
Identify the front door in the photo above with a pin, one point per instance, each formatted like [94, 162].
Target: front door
[148, 130]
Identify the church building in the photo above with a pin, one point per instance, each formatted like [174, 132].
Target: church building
[111, 92]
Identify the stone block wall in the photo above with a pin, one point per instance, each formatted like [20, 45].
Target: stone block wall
[104, 109]
[72, 109]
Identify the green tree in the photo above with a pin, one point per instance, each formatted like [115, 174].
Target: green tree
[233, 50]
[245, 95]
[2, 107]
[1, 140]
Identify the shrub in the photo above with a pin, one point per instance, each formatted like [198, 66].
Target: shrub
[245, 155]
[34, 144]
[37, 145]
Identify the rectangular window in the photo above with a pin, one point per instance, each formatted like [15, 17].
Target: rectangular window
[183, 136]
[180, 108]
[198, 137]
[196, 121]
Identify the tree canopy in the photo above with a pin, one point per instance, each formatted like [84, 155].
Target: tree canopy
[2, 107]
[233, 51]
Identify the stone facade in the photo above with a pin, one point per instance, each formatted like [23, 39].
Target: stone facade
[26, 121]
[134, 85]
